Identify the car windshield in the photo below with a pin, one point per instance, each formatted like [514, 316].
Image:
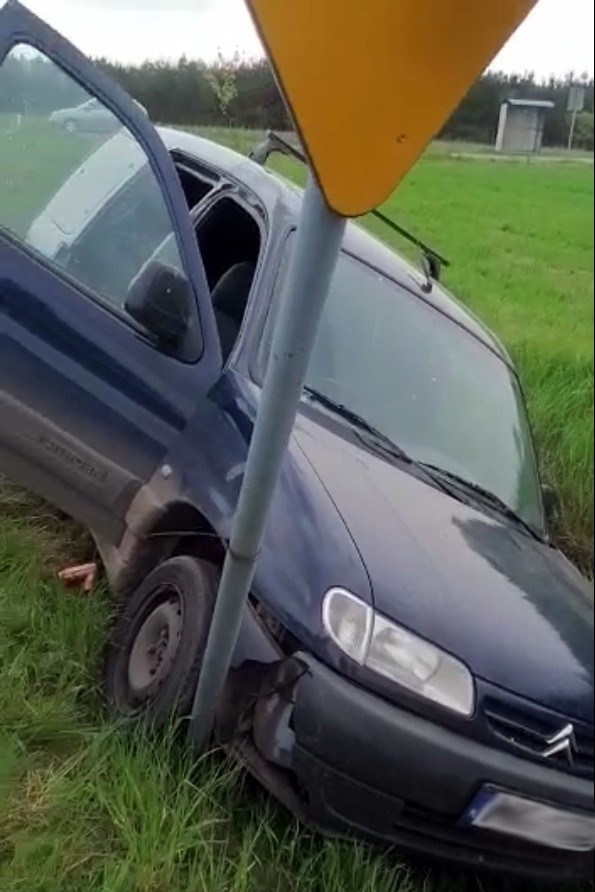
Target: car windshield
[426, 383]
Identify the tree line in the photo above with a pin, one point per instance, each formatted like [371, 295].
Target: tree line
[243, 93]
[183, 93]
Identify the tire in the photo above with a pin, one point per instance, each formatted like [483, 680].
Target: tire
[155, 651]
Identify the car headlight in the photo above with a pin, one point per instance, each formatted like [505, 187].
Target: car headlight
[394, 652]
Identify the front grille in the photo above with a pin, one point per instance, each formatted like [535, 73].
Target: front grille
[528, 732]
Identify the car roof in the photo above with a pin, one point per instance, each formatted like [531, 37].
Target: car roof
[273, 189]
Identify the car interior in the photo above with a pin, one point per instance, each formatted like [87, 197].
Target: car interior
[230, 241]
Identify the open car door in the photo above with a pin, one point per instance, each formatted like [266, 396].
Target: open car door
[107, 335]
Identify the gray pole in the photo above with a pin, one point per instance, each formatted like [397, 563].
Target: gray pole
[317, 245]
[572, 127]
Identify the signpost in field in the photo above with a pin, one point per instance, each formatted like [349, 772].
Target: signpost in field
[575, 104]
[368, 86]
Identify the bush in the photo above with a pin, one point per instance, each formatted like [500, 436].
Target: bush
[584, 131]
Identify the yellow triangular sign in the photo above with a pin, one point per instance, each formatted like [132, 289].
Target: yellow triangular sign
[370, 83]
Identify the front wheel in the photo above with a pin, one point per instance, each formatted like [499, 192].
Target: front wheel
[157, 644]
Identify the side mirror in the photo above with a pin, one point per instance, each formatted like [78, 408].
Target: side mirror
[159, 299]
[551, 500]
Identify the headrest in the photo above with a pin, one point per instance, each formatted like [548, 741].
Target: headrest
[231, 291]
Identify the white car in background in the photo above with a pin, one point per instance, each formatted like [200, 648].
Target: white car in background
[90, 117]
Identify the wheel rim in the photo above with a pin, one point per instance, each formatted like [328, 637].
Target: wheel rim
[155, 646]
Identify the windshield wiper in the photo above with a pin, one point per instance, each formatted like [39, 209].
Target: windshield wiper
[358, 421]
[382, 441]
[487, 495]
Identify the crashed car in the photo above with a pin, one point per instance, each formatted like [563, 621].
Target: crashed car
[415, 664]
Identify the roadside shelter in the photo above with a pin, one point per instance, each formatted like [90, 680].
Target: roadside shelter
[520, 127]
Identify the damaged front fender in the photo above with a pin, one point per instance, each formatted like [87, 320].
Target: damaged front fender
[254, 724]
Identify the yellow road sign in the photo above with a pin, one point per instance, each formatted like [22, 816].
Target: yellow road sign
[370, 82]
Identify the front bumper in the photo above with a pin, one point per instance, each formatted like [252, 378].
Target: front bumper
[361, 766]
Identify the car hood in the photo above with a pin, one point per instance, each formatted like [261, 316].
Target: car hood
[513, 609]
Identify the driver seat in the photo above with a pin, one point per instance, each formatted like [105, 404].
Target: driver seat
[230, 296]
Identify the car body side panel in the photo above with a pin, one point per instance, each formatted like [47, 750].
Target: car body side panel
[42, 455]
[207, 471]
[89, 408]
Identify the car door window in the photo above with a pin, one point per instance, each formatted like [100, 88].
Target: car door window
[77, 189]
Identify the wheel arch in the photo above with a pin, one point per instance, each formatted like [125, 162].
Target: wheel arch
[176, 528]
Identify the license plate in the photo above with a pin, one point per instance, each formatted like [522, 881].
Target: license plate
[533, 821]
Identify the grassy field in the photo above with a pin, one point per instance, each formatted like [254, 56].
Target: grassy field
[31, 175]
[85, 806]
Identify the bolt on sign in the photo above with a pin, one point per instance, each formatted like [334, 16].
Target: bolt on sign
[370, 82]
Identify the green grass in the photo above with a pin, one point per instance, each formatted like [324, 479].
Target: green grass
[35, 160]
[86, 806]
[242, 140]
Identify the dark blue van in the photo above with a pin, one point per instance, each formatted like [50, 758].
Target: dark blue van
[415, 665]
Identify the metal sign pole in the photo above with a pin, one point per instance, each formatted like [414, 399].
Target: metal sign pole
[572, 128]
[317, 245]
[575, 104]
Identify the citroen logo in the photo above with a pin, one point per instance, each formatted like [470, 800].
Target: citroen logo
[562, 742]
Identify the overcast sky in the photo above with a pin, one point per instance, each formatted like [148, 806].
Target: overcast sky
[557, 36]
